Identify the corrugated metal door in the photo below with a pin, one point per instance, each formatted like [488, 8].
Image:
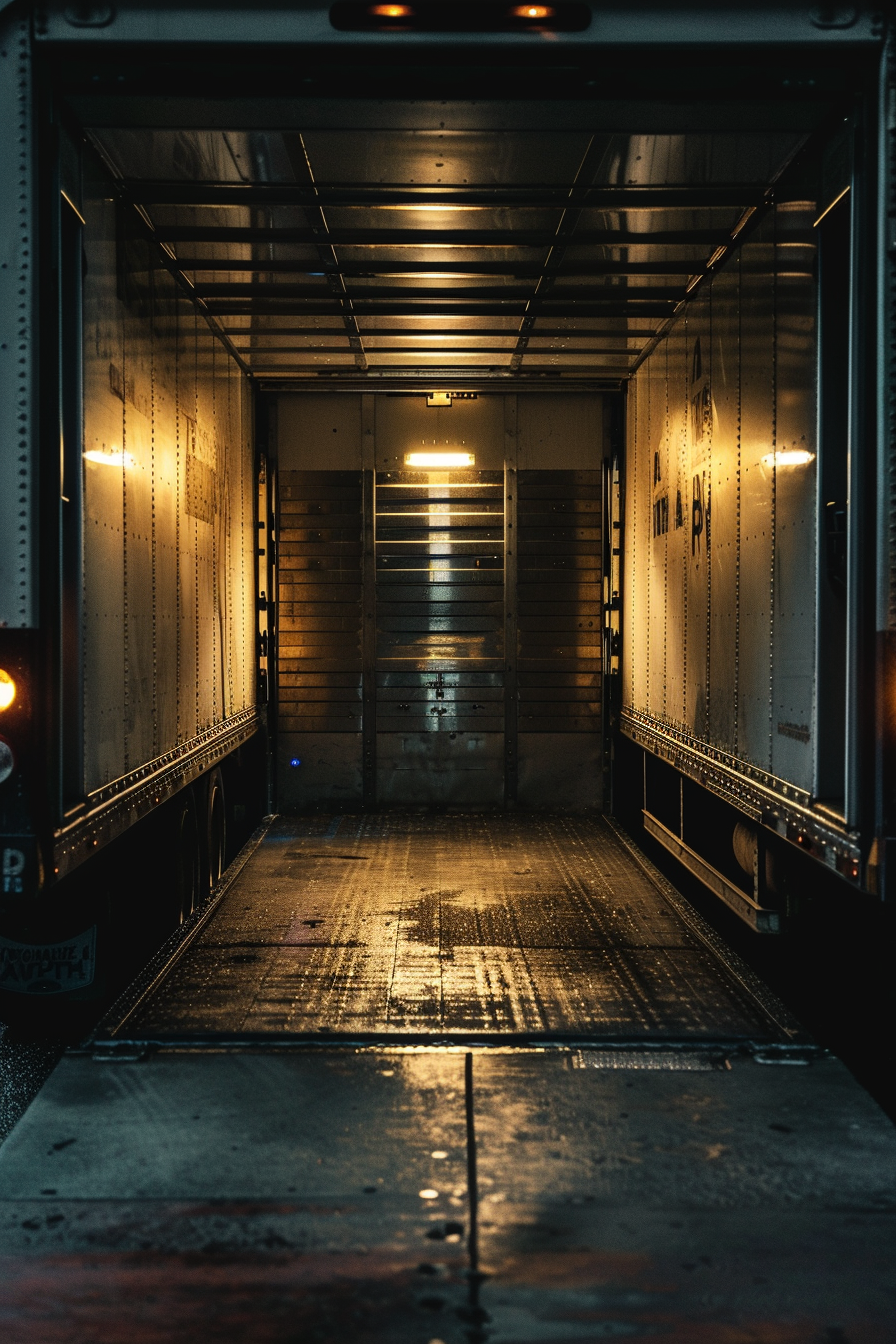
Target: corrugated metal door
[440, 645]
[319, 665]
[439, 629]
[559, 638]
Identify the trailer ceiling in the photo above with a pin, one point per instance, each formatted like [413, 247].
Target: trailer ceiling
[381, 241]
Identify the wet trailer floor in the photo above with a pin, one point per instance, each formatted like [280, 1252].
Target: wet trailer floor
[549, 1108]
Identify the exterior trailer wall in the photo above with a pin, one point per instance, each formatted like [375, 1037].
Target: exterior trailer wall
[168, 613]
[719, 640]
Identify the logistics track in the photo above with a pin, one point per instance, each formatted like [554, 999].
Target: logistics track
[416, 1077]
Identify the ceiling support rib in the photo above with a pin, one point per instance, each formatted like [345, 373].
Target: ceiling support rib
[396, 269]
[447, 310]
[143, 227]
[587, 171]
[442, 351]
[327, 254]
[414, 298]
[731, 196]
[497, 238]
[461, 333]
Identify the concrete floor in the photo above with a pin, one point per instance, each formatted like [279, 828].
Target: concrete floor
[689, 1186]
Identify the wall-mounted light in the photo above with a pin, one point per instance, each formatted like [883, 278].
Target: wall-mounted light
[439, 461]
[109, 457]
[788, 457]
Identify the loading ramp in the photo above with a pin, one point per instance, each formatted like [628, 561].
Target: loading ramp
[404, 926]
[549, 1107]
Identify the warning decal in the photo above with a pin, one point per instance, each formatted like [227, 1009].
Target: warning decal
[48, 968]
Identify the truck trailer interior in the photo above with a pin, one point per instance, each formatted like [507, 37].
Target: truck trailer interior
[448, 587]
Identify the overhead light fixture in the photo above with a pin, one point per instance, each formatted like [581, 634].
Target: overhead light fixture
[438, 399]
[788, 457]
[439, 461]
[109, 457]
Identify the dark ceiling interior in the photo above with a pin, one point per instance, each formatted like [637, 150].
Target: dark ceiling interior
[441, 253]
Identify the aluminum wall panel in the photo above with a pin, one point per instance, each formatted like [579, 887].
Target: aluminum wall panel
[165, 523]
[137, 477]
[18, 464]
[696, 382]
[168, 609]
[560, 432]
[724, 508]
[636, 537]
[735, 580]
[674, 393]
[657, 448]
[758, 493]
[187, 690]
[793, 665]
[103, 486]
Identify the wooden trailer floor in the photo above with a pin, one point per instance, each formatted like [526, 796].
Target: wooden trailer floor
[549, 1110]
[409, 924]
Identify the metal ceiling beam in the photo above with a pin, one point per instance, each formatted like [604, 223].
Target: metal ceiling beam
[253, 352]
[524, 197]
[518, 270]
[326, 254]
[587, 171]
[509, 238]
[540, 333]
[413, 298]
[588, 370]
[384, 308]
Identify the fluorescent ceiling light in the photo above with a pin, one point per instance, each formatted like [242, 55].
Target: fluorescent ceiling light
[113, 457]
[788, 457]
[439, 460]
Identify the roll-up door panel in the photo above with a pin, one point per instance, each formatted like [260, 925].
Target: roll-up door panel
[319, 644]
[559, 638]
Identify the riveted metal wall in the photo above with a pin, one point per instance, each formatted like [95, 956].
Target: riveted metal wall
[18, 480]
[720, 529]
[169, 592]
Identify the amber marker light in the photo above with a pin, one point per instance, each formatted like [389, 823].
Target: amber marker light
[7, 690]
[391, 11]
[439, 460]
[532, 12]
